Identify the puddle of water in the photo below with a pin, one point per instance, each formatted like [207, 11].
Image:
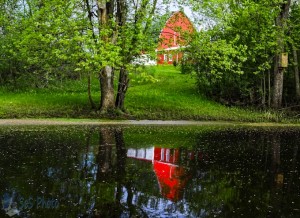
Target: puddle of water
[149, 172]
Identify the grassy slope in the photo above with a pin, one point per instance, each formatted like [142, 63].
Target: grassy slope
[173, 96]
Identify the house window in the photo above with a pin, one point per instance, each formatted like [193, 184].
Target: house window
[170, 57]
[165, 57]
[162, 154]
[168, 155]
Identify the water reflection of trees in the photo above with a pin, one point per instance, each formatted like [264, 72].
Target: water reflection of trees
[113, 179]
[111, 173]
[250, 172]
[62, 166]
[230, 173]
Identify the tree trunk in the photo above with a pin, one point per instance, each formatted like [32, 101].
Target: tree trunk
[122, 88]
[90, 16]
[296, 71]
[277, 84]
[93, 105]
[105, 12]
[269, 88]
[107, 89]
[278, 71]
[263, 90]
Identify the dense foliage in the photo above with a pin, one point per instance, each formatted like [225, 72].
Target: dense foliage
[44, 41]
[39, 41]
[236, 55]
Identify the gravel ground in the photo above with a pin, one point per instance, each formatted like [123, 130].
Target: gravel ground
[94, 122]
[19, 122]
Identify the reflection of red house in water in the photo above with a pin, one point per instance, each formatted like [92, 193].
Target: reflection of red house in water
[173, 37]
[171, 177]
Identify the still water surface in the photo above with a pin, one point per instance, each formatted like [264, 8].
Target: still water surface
[149, 172]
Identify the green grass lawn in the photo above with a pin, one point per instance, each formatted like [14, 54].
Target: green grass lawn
[161, 93]
[175, 96]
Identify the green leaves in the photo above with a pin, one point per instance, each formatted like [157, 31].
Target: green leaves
[232, 57]
[40, 39]
[217, 56]
[56, 33]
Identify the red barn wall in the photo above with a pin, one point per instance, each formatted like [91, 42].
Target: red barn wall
[173, 37]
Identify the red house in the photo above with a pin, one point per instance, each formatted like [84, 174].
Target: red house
[174, 37]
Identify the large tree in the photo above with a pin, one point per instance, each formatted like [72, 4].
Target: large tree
[120, 28]
[281, 23]
[295, 44]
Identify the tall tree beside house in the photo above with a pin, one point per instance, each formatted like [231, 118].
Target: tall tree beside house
[135, 37]
[121, 27]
